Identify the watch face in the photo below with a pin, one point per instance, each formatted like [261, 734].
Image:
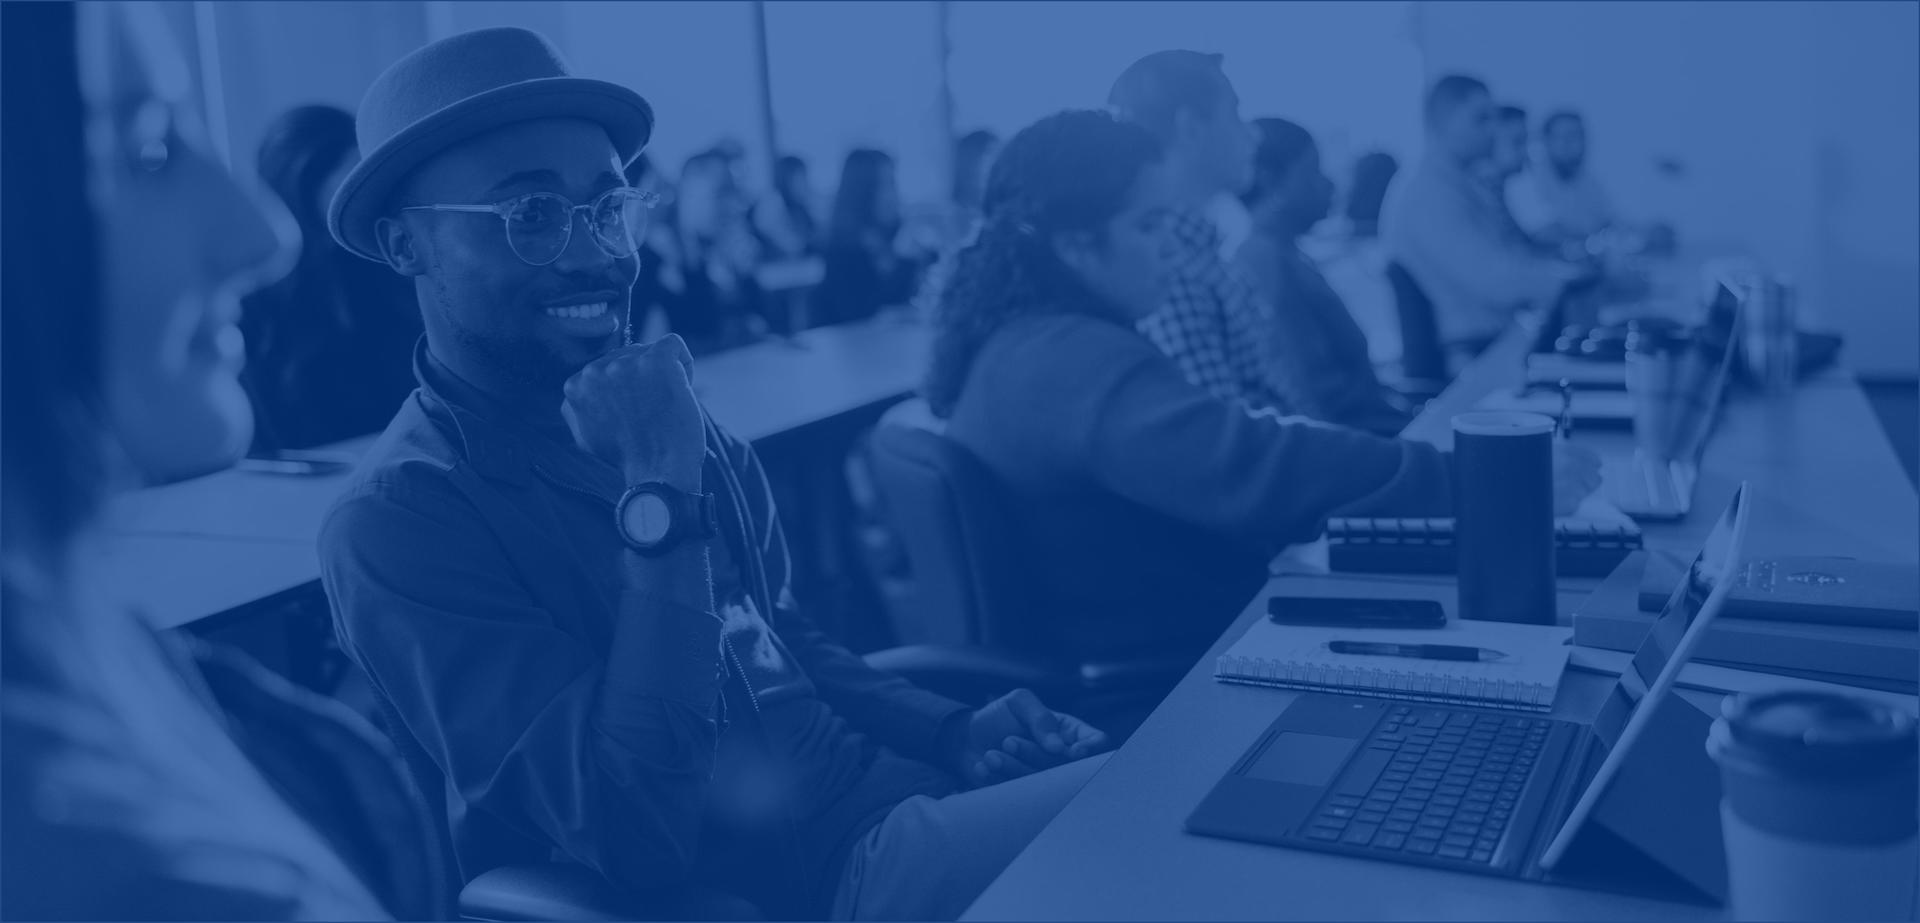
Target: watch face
[646, 518]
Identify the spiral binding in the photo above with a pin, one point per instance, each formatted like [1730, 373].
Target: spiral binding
[1385, 683]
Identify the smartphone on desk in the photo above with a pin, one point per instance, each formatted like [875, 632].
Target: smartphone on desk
[1336, 612]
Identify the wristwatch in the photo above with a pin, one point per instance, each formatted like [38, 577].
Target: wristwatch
[654, 518]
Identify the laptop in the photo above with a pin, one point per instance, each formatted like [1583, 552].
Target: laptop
[1655, 489]
[1501, 793]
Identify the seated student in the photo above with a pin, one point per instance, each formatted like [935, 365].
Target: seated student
[1372, 173]
[1561, 199]
[1320, 344]
[1437, 225]
[870, 265]
[1152, 507]
[721, 303]
[1211, 323]
[329, 346]
[573, 588]
[147, 776]
[784, 220]
[1501, 172]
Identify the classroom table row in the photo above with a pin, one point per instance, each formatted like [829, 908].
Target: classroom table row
[217, 545]
[1825, 481]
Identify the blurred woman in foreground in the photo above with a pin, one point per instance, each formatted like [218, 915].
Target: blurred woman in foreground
[147, 777]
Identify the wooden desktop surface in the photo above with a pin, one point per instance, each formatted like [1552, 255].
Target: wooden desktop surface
[1825, 481]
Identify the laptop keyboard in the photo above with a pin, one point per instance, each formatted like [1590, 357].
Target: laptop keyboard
[1432, 782]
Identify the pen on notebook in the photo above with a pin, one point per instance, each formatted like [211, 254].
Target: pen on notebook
[1415, 651]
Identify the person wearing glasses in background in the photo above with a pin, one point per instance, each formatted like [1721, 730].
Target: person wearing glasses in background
[1312, 327]
[149, 776]
[573, 589]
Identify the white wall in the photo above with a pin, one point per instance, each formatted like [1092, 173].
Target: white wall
[279, 55]
[1795, 122]
[1348, 72]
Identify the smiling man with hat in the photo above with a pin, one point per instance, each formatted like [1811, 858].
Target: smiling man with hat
[571, 588]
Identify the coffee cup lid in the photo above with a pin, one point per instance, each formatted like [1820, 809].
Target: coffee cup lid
[1821, 731]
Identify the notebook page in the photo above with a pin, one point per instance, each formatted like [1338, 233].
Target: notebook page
[1536, 655]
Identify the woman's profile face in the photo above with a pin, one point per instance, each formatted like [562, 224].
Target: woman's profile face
[180, 242]
[1130, 263]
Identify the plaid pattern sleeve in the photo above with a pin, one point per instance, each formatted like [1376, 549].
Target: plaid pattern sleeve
[1212, 324]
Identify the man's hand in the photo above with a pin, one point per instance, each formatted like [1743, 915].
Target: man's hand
[634, 408]
[1576, 473]
[1016, 735]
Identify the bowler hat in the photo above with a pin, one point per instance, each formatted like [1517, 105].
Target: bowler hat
[459, 87]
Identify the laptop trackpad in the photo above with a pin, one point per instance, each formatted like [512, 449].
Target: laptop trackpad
[1302, 759]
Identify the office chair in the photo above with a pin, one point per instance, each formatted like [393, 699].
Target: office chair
[971, 576]
[1423, 357]
[551, 891]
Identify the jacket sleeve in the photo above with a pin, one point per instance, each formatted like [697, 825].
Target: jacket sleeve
[1162, 443]
[895, 712]
[606, 754]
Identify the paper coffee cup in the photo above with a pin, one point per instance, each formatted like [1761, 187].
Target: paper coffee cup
[1821, 806]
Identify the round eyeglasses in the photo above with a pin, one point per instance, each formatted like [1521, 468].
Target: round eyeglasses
[540, 224]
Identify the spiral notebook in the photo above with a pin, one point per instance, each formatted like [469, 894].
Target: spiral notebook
[1526, 677]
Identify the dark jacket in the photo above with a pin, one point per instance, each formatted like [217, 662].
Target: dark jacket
[1321, 348]
[476, 573]
[1151, 508]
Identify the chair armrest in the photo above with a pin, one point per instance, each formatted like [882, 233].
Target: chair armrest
[974, 674]
[564, 891]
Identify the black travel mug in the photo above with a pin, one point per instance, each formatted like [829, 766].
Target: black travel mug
[1503, 499]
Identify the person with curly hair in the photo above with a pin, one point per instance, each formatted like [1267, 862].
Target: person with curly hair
[1150, 506]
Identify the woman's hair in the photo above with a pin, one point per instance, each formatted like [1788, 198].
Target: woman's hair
[1371, 174]
[856, 201]
[799, 210]
[968, 152]
[784, 171]
[296, 328]
[301, 148]
[1282, 144]
[1069, 172]
[55, 444]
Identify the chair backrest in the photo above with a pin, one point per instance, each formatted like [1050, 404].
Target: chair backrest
[971, 585]
[1422, 356]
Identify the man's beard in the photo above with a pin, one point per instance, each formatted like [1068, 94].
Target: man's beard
[524, 364]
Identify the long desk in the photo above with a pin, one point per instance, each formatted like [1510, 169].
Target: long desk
[1826, 483]
[211, 545]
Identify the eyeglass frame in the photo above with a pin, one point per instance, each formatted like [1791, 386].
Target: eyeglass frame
[503, 207]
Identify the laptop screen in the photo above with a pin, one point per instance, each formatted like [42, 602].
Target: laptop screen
[1656, 665]
[1682, 608]
[1700, 382]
